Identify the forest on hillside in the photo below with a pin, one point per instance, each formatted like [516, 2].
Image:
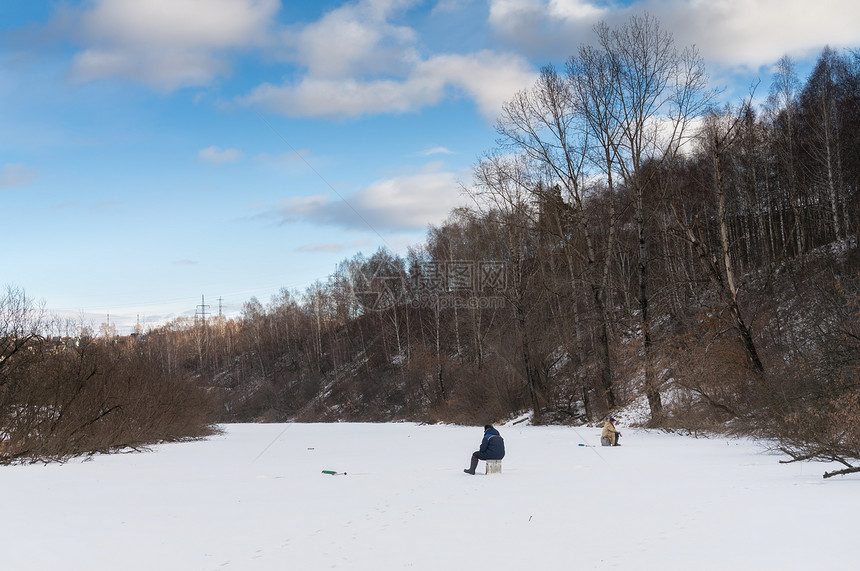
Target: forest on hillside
[632, 237]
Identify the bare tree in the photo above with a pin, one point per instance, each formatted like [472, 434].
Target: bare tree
[21, 325]
[782, 104]
[658, 92]
[822, 106]
[504, 183]
[547, 124]
[719, 133]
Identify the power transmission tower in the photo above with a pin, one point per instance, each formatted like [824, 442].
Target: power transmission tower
[202, 307]
[220, 314]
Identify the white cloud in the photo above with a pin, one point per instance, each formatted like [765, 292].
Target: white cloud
[14, 175]
[346, 97]
[356, 61]
[219, 156]
[356, 38]
[166, 44]
[747, 33]
[178, 23]
[510, 13]
[304, 206]
[486, 77]
[164, 70]
[544, 28]
[489, 78]
[575, 9]
[758, 32]
[436, 151]
[407, 203]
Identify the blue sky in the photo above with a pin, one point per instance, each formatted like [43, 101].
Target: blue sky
[157, 151]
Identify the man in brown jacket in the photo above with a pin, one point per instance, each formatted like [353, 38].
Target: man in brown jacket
[609, 436]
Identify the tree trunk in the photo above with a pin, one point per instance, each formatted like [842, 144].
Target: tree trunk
[652, 391]
[532, 376]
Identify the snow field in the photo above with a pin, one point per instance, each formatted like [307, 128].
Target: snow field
[255, 498]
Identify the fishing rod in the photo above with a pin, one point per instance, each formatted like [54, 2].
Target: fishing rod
[593, 449]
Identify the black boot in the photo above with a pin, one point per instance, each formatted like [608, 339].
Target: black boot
[471, 469]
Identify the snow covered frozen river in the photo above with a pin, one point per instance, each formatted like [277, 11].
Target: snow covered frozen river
[255, 498]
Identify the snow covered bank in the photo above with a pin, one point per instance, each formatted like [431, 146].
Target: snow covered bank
[255, 498]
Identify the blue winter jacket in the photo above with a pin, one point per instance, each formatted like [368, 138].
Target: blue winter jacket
[493, 445]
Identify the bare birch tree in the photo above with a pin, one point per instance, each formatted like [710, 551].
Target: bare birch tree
[782, 104]
[720, 133]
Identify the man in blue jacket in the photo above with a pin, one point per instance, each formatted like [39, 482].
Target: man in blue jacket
[492, 448]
